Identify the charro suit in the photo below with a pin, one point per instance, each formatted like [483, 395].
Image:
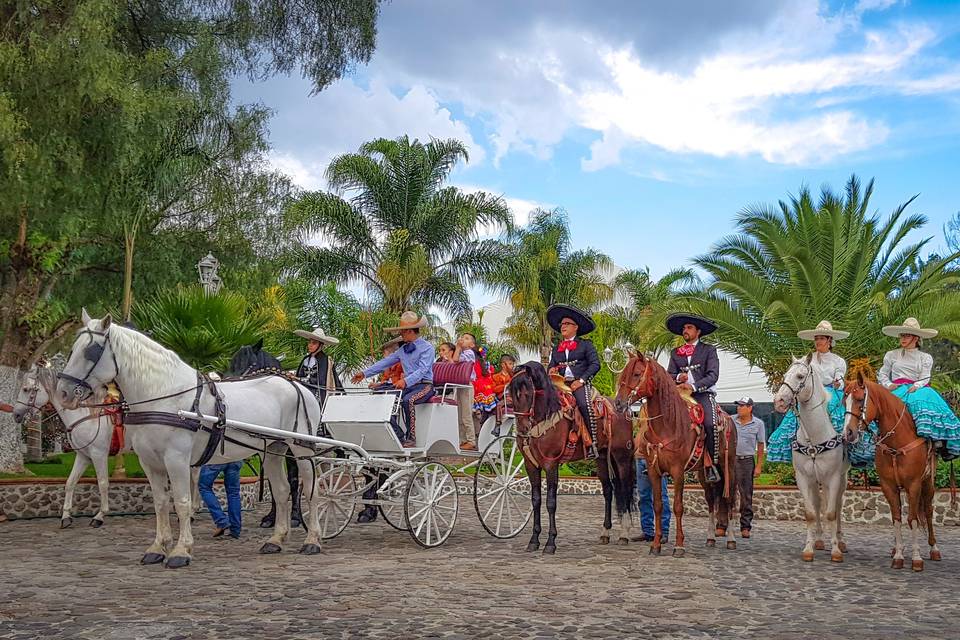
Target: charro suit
[583, 363]
[703, 371]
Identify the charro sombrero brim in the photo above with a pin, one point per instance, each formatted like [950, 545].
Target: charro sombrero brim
[823, 329]
[556, 313]
[409, 320]
[911, 327]
[318, 335]
[390, 343]
[675, 322]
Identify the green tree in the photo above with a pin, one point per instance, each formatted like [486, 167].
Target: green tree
[806, 260]
[542, 269]
[398, 231]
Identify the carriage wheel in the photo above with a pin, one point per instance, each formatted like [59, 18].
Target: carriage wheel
[392, 509]
[431, 504]
[501, 493]
[337, 498]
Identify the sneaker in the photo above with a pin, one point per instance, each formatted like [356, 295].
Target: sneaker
[496, 432]
[409, 444]
[468, 446]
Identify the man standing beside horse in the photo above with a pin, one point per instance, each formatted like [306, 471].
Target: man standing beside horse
[696, 368]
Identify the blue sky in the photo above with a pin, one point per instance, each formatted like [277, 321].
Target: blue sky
[652, 124]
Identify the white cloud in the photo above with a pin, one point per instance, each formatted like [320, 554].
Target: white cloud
[521, 208]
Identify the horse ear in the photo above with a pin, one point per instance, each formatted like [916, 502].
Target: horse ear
[84, 316]
[106, 322]
[860, 378]
[810, 357]
[259, 345]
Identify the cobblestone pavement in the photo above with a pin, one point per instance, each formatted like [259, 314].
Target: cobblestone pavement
[375, 582]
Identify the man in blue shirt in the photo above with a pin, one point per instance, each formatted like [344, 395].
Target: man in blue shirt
[416, 356]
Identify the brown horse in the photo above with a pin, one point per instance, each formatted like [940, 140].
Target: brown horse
[671, 443]
[548, 436]
[905, 461]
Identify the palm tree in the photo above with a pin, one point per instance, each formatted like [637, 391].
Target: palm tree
[410, 241]
[803, 261]
[541, 270]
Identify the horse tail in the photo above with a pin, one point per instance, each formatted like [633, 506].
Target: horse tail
[624, 484]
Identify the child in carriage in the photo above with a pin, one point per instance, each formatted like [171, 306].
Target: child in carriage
[386, 380]
[490, 396]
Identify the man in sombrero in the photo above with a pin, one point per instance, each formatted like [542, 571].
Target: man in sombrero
[416, 356]
[576, 359]
[696, 368]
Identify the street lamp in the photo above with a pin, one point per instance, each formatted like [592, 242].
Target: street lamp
[617, 360]
[207, 268]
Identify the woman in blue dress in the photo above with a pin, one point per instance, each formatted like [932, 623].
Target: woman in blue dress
[906, 372]
[831, 368]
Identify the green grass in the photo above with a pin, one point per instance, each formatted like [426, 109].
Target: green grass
[59, 466]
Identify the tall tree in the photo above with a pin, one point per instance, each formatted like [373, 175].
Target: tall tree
[542, 269]
[393, 227]
[807, 260]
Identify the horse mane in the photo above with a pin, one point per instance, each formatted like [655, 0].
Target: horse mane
[884, 397]
[146, 359]
[672, 406]
[46, 377]
[250, 359]
[541, 382]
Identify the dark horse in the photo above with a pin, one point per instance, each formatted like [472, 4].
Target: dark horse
[668, 439]
[544, 434]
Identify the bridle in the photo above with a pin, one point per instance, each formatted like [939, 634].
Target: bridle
[34, 409]
[520, 373]
[92, 353]
[796, 392]
[861, 417]
[31, 404]
[646, 380]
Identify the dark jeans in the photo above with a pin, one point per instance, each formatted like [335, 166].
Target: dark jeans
[645, 497]
[745, 467]
[231, 483]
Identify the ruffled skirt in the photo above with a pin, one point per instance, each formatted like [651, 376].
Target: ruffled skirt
[932, 415]
[861, 453]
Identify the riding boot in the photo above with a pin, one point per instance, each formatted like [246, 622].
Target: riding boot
[591, 451]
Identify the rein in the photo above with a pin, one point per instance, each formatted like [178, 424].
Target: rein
[894, 453]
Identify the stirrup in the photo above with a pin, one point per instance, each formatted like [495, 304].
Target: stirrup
[711, 475]
[591, 452]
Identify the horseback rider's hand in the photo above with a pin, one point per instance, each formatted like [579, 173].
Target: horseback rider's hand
[400, 383]
[576, 384]
[682, 378]
[357, 377]
[892, 386]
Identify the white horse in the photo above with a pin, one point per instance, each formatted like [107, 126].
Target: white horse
[819, 460]
[89, 431]
[156, 384]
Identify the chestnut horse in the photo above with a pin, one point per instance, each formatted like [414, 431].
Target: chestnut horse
[544, 435]
[905, 461]
[668, 440]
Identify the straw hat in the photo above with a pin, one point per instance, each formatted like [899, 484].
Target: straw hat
[318, 335]
[409, 320]
[391, 343]
[910, 327]
[823, 329]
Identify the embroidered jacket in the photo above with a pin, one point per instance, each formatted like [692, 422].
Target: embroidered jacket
[702, 368]
[582, 361]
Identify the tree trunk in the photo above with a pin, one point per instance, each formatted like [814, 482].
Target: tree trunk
[129, 239]
[34, 439]
[547, 344]
[11, 456]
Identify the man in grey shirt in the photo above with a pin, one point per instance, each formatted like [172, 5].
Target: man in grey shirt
[751, 440]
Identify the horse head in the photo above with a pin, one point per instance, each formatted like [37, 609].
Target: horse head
[797, 385]
[251, 359]
[860, 408]
[92, 363]
[635, 382]
[30, 397]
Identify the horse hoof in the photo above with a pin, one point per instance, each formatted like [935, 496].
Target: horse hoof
[819, 546]
[807, 556]
[843, 547]
[623, 541]
[269, 547]
[731, 544]
[65, 523]
[711, 542]
[836, 557]
[679, 552]
[655, 551]
[549, 550]
[720, 533]
[96, 524]
[152, 558]
[935, 555]
[897, 563]
[178, 562]
[310, 549]
[917, 565]
[604, 539]
[532, 547]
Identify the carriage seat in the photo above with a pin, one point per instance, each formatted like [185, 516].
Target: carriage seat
[448, 376]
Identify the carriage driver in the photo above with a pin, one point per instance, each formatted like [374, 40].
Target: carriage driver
[696, 368]
[576, 359]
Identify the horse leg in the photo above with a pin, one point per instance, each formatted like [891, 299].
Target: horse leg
[607, 488]
[678, 549]
[653, 473]
[841, 544]
[119, 468]
[727, 505]
[103, 485]
[553, 483]
[79, 466]
[533, 473]
[809, 489]
[892, 494]
[195, 491]
[913, 521]
[708, 496]
[625, 484]
[157, 477]
[929, 493]
[178, 469]
[308, 479]
[280, 490]
[834, 499]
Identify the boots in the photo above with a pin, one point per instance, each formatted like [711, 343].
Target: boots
[368, 514]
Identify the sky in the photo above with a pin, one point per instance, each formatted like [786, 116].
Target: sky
[652, 124]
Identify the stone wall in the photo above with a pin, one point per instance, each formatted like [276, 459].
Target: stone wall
[43, 497]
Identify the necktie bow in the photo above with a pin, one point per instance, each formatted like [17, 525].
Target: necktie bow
[409, 347]
[567, 345]
[686, 350]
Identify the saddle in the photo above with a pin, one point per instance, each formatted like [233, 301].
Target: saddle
[694, 407]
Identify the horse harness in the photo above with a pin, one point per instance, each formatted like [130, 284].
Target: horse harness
[809, 450]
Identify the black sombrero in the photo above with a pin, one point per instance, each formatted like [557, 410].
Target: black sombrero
[675, 322]
[558, 312]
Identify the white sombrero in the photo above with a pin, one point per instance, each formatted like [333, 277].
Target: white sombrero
[318, 335]
[409, 320]
[823, 329]
[911, 327]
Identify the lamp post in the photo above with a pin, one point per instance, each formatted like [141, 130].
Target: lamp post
[617, 359]
[207, 268]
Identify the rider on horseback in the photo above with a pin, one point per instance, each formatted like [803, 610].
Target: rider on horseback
[696, 368]
[576, 359]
